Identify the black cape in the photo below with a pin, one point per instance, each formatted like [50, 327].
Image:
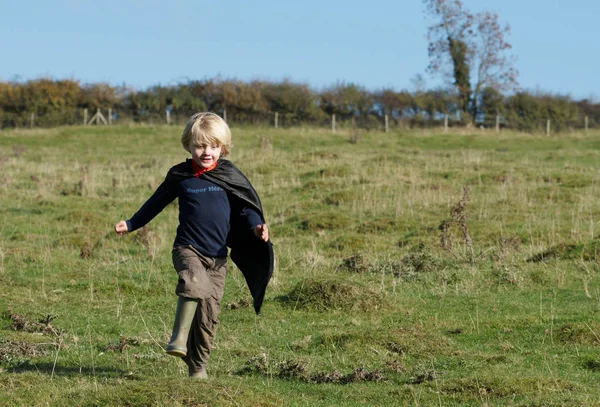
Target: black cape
[254, 257]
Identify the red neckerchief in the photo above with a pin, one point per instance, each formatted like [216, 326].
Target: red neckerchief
[201, 170]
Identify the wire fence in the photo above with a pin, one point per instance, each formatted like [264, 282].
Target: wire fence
[372, 122]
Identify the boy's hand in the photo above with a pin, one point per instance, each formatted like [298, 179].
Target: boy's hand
[262, 232]
[121, 227]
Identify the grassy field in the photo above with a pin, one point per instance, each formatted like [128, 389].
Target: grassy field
[413, 268]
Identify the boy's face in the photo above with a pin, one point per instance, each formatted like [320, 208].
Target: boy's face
[205, 155]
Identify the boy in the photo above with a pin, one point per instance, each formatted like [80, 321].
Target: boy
[218, 207]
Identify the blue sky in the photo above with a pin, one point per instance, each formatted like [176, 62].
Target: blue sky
[373, 43]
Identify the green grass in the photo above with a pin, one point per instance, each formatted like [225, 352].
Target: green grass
[370, 304]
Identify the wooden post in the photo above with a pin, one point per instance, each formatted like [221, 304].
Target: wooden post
[497, 123]
[98, 117]
[110, 116]
[168, 113]
[333, 123]
[276, 119]
[225, 115]
[387, 124]
[101, 118]
[32, 120]
[586, 124]
[548, 127]
[85, 121]
[445, 123]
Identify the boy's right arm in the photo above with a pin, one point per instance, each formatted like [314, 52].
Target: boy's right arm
[164, 195]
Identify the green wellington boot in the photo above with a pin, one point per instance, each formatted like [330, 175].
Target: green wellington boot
[186, 309]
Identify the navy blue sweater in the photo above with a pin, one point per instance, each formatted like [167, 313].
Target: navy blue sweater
[205, 212]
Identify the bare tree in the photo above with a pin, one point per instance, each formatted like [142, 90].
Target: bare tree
[470, 49]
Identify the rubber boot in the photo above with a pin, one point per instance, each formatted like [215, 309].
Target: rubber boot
[186, 309]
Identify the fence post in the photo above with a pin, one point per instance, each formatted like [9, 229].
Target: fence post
[168, 116]
[387, 124]
[586, 124]
[548, 127]
[225, 115]
[333, 123]
[110, 116]
[32, 120]
[497, 123]
[85, 117]
[445, 122]
[276, 119]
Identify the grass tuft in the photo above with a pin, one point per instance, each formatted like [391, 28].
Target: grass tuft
[328, 295]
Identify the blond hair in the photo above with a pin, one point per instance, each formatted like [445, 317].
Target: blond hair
[207, 128]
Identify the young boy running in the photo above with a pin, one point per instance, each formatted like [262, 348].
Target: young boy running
[218, 208]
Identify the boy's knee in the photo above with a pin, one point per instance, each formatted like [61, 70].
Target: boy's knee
[194, 283]
[193, 280]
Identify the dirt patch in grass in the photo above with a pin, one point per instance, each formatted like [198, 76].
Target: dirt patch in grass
[290, 369]
[298, 370]
[257, 364]
[324, 295]
[11, 349]
[359, 374]
[20, 323]
[395, 347]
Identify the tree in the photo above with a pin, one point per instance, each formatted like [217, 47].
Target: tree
[474, 46]
[393, 103]
[491, 104]
[458, 53]
[346, 100]
[296, 102]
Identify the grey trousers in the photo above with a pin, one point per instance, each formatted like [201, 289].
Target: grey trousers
[201, 278]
